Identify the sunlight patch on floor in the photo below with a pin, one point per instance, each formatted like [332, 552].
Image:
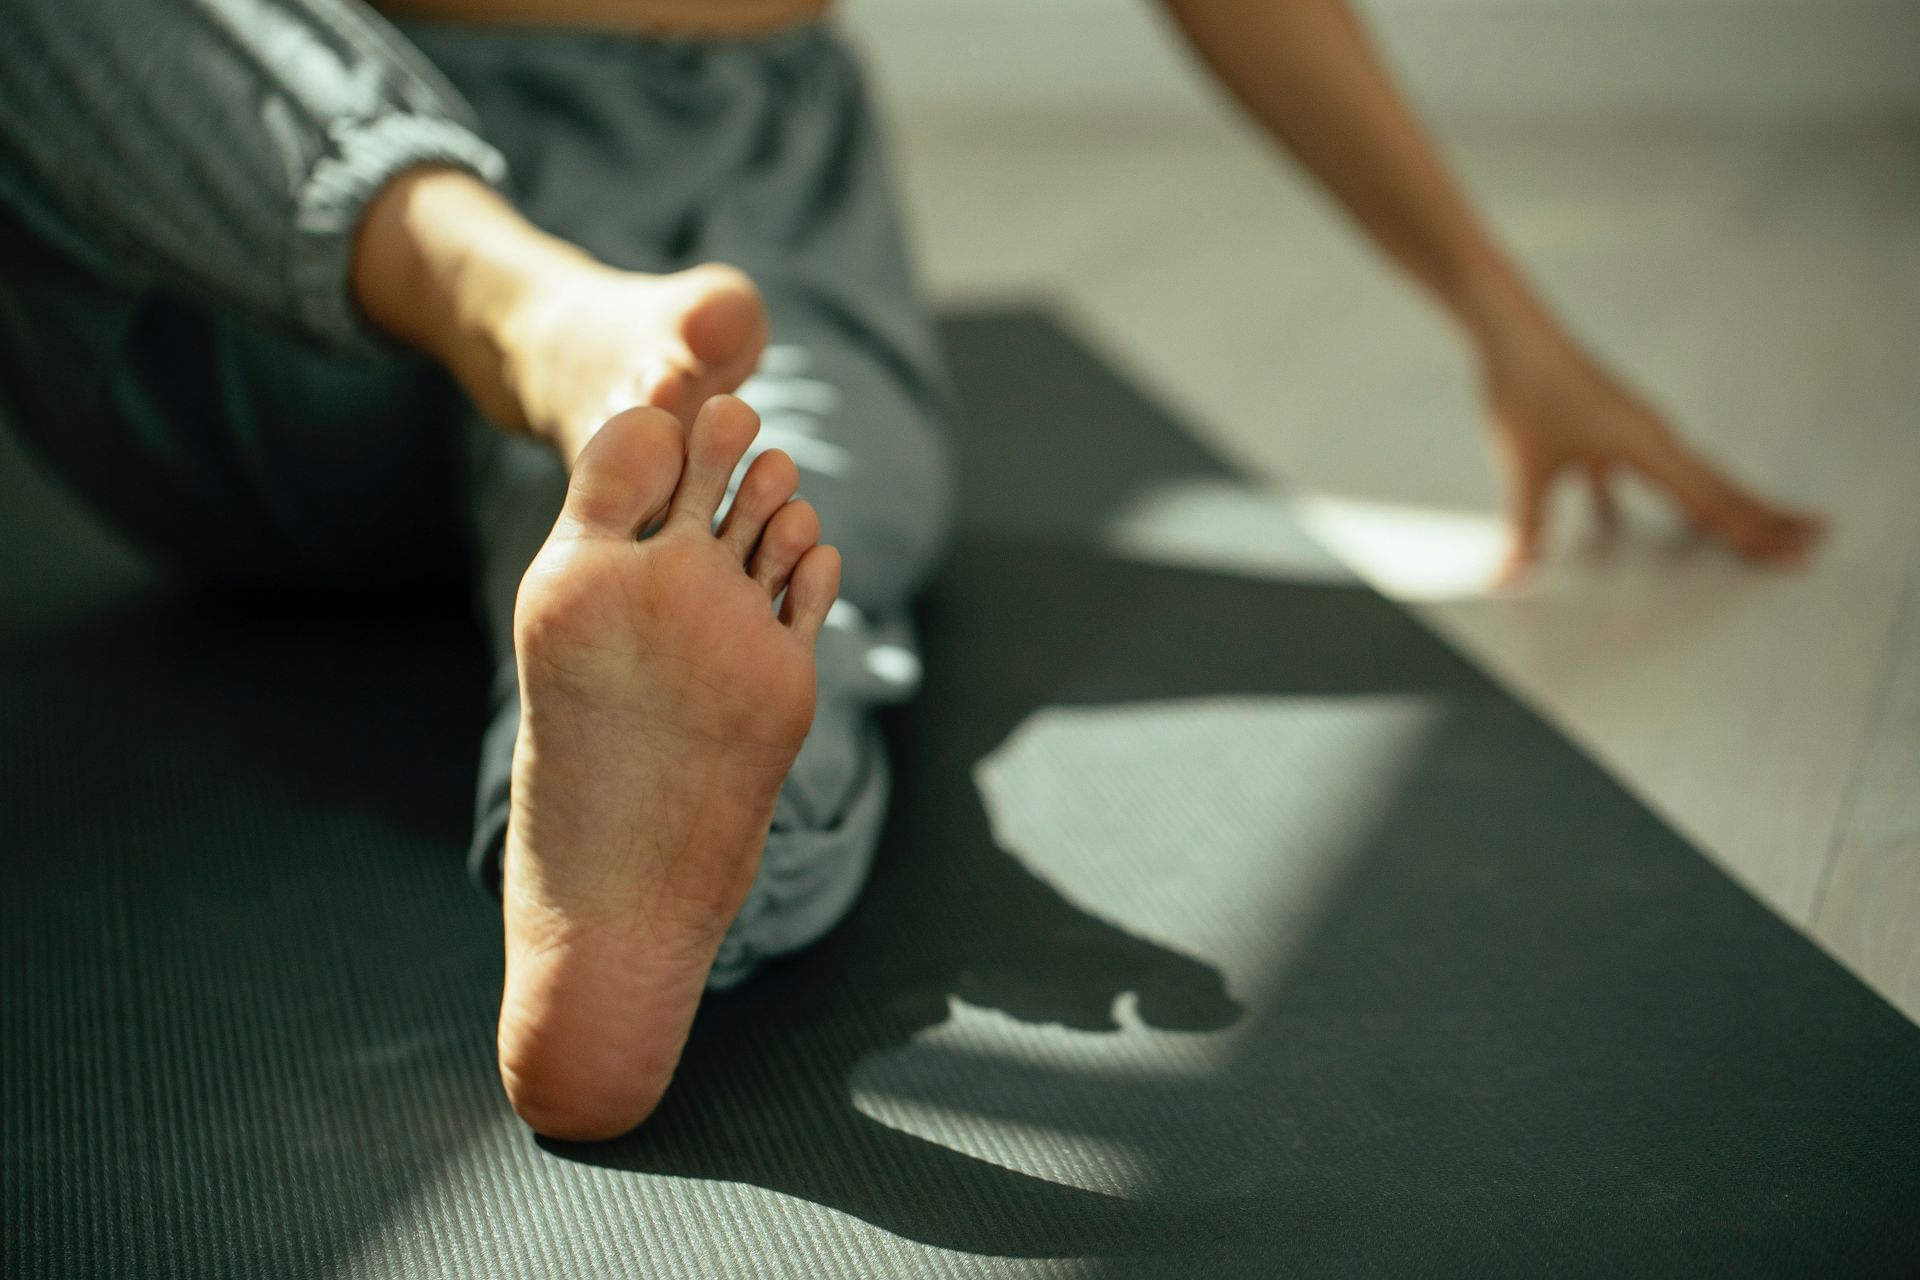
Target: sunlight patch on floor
[1234, 527]
[1220, 526]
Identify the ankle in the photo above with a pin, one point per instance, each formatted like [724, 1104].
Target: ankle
[444, 264]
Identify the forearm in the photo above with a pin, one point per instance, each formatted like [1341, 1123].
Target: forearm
[1307, 72]
[224, 149]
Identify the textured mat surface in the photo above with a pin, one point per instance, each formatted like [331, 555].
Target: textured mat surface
[1228, 924]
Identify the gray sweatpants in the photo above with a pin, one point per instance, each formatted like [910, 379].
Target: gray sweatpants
[244, 456]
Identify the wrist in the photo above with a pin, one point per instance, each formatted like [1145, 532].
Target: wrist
[1498, 315]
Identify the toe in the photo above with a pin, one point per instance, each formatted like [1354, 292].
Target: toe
[665, 387]
[768, 486]
[727, 325]
[793, 530]
[720, 436]
[815, 583]
[626, 473]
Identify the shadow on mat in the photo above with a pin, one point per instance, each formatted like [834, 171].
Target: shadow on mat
[765, 1092]
[250, 993]
[290, 786]
[282, 793]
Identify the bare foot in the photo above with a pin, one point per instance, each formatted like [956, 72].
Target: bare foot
[663, 701]
[543, 337]
[589, 341]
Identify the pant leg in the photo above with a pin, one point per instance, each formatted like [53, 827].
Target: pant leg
[226, 452]
[873, 464]
[659, 154]
[873, 461]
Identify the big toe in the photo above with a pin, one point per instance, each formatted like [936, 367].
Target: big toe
[725, 323]
[626, 473]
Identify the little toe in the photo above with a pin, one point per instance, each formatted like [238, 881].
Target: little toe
[720, 436]
[769, 484]
[626, 473]
[790, 534]
[811, 592]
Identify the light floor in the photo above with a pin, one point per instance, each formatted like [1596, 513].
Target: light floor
[1763, 282]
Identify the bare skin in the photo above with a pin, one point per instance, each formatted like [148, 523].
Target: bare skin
[664, 697]
[546, 340]
[663, 700]
[1306, 72]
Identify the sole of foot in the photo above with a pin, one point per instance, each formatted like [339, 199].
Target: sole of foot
[666, 683]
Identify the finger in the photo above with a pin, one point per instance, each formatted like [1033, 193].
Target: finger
[769, 484]
[1722, 509]
[720, 435]
[1789, 537]
[1606, 510]
[1529, 486]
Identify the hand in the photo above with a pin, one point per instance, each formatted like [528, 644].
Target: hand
[1552, 411]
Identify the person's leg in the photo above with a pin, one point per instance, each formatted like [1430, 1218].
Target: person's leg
[783, 176]
[73, 390]
[631, 780]
[872, 459]
[229, 454]
[780, 177]
[852, 387]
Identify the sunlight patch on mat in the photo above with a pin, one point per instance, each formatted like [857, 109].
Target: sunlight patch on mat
[1177, 818]
[1210, 832]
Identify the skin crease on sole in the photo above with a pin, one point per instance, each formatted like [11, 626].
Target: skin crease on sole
[667, 684]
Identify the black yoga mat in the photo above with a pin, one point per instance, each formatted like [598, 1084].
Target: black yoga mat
[1228, 924]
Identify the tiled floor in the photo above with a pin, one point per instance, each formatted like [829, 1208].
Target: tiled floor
[1762, 282]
